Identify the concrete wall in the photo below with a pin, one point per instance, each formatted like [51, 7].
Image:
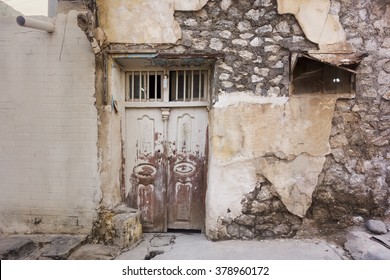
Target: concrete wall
[48, 129]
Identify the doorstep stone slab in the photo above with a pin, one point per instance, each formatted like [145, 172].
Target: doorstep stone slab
[12, 248]
[361, 247]
[61, 247]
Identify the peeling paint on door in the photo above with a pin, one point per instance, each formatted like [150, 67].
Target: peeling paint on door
[167, 185]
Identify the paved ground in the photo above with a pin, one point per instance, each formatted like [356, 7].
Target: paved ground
[180, 246]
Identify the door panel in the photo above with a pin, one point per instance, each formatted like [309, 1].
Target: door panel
[187, 136]
[166, 166]
[146, 167]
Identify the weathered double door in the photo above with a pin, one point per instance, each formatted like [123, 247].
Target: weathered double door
[166, 166]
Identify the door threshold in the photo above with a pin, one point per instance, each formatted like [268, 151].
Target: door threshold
[184, 231]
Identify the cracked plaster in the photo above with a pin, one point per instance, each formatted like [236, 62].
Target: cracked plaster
[317, 22]
[286, 141]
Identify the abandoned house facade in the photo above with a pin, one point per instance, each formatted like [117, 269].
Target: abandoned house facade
[240, 119]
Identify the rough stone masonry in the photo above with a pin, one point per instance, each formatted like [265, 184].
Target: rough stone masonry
[281, 163]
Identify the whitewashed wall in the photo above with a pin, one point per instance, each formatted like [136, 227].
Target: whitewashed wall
[48, 129]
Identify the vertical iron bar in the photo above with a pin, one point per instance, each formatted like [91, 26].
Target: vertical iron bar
[177, 85]
[200, 85]
[155, 85]
[140, 86]
[132, 86]
[184, 85]
[192, 85]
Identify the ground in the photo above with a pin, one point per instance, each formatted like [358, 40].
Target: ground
[356, 243]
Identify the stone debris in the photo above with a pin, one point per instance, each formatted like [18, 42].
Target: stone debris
[376, 226]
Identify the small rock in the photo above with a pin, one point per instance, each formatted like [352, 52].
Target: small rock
[386, 96]
[376, 226]
[358, 220]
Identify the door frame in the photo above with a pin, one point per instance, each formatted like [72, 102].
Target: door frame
[120, 104]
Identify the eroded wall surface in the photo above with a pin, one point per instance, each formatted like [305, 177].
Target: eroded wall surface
[49, 178]
[145, 21]
[281, 164]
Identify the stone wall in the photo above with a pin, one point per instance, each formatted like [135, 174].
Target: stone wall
[353, 181]
[278, 163]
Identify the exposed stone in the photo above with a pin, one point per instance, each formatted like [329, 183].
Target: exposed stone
[386, 96]
[191, 22]
[376, 226]
[216, 44]
[264, 29]
[283, 27]
[226, 34]
[386, 66]
[225, 4]
[245, 55]
[244, 26]
[256, 42]
[254, 14]
[278, 64]
[272, 48]
[384, 78]
[246, 35]
[240, 42]
[262, 71]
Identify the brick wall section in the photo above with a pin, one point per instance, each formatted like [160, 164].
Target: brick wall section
[48, 129]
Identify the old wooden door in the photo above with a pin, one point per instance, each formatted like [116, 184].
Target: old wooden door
[166, 166]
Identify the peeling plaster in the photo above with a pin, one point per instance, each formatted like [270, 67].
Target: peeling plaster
[317, 22]
[284, 140]
[226, 100]
[143, 21]
[294, 181]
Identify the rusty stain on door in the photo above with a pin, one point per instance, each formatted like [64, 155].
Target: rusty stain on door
[166, 166]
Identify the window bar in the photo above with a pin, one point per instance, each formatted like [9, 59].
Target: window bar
[155, 85]
[206, 84]
[140, 86]
[184, 85]
[148, 86]
[192, 85]
[200, 85]
[132, 86]
[177, 85]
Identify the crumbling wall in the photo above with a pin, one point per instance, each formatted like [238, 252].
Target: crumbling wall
[354, 184]
[48, 129]
[278, 162]
[245, 184]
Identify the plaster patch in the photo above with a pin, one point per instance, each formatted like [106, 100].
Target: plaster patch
[143, 21]
[317, 22]
[294, 181]
[236, 98]
[230, 184]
